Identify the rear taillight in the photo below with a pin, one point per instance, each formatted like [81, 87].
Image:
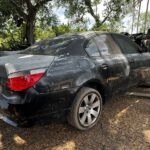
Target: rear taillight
[20, 81]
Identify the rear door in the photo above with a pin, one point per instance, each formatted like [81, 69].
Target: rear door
[115, 68]
[139, 62]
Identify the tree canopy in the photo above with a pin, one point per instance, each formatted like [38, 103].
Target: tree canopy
[79, 8]
[24, 11]
[30, 20]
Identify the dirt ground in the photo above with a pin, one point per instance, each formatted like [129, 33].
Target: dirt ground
[124, 125]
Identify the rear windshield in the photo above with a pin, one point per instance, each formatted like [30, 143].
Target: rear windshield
[56, 46]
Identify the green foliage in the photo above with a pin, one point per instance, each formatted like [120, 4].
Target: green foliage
[64, 28]
[25, 13]
[32, 13]
[115, 8]
[107, 27]
[141, 22]
[41, 34]
[103, 27]
[46, 23]
[78, 9]
[45, 17]
[11, 34]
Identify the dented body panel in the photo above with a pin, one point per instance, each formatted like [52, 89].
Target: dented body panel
[67, 73]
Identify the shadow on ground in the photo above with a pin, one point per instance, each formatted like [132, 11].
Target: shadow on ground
[125, 124]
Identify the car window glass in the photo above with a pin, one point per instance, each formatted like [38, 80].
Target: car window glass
[106, 45]
[126, 45]
[56, 46]
[92, 49]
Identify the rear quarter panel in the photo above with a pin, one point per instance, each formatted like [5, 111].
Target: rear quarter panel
[67, 73]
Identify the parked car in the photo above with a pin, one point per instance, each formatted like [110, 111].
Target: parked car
[72, 73]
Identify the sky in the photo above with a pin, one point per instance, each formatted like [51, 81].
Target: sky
[127, 21]
[143, 6]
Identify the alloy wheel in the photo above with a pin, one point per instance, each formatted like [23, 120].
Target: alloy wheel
[89, 109]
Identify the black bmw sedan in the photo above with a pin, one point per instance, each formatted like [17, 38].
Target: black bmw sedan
[72, 74]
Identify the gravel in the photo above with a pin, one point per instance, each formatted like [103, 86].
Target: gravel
[124, 125]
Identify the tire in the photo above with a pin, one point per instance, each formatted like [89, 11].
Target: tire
[86, 109]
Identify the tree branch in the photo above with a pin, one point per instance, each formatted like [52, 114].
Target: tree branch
[41, 3]
[89, 5]
[91, 11]
[29, 4]
[19, 10]
[106, 17]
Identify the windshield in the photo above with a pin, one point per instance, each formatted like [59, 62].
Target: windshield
[56, 46]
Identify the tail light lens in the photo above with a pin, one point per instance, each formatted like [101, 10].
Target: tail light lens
[20, 82]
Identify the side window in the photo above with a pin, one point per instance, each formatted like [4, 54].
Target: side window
[92, 49]
[127, 46]
[106, 45]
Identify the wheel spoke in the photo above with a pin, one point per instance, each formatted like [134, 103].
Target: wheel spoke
[94, 113]
[86, 100]
[83, 118]
[89, 119]
[93, 98]
[96, 104]
[81, 110]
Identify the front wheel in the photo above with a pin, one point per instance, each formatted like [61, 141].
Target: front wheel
[86, 109]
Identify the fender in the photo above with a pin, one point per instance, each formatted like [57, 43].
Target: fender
[67, 73]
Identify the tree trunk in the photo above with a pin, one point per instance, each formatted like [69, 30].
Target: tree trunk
[29, 31]
[97, 21]
[88, 3]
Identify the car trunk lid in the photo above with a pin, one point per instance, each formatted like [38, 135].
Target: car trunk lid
[22, 62]
[20, 72]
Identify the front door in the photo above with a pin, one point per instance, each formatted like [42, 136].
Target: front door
[115, 67]
[139, 62]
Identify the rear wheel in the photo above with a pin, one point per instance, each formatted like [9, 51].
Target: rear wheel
[86, 109]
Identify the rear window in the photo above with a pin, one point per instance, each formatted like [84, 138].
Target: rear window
[127, 45]
[106, 45]
[56, 46]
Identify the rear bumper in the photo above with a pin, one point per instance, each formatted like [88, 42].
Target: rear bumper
[12, 105]
[34, 106]
[8, 120]
[9, 114]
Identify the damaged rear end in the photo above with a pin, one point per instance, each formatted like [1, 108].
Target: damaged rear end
[18, 75]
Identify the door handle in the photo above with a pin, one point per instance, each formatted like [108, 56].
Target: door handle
[104, 66]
